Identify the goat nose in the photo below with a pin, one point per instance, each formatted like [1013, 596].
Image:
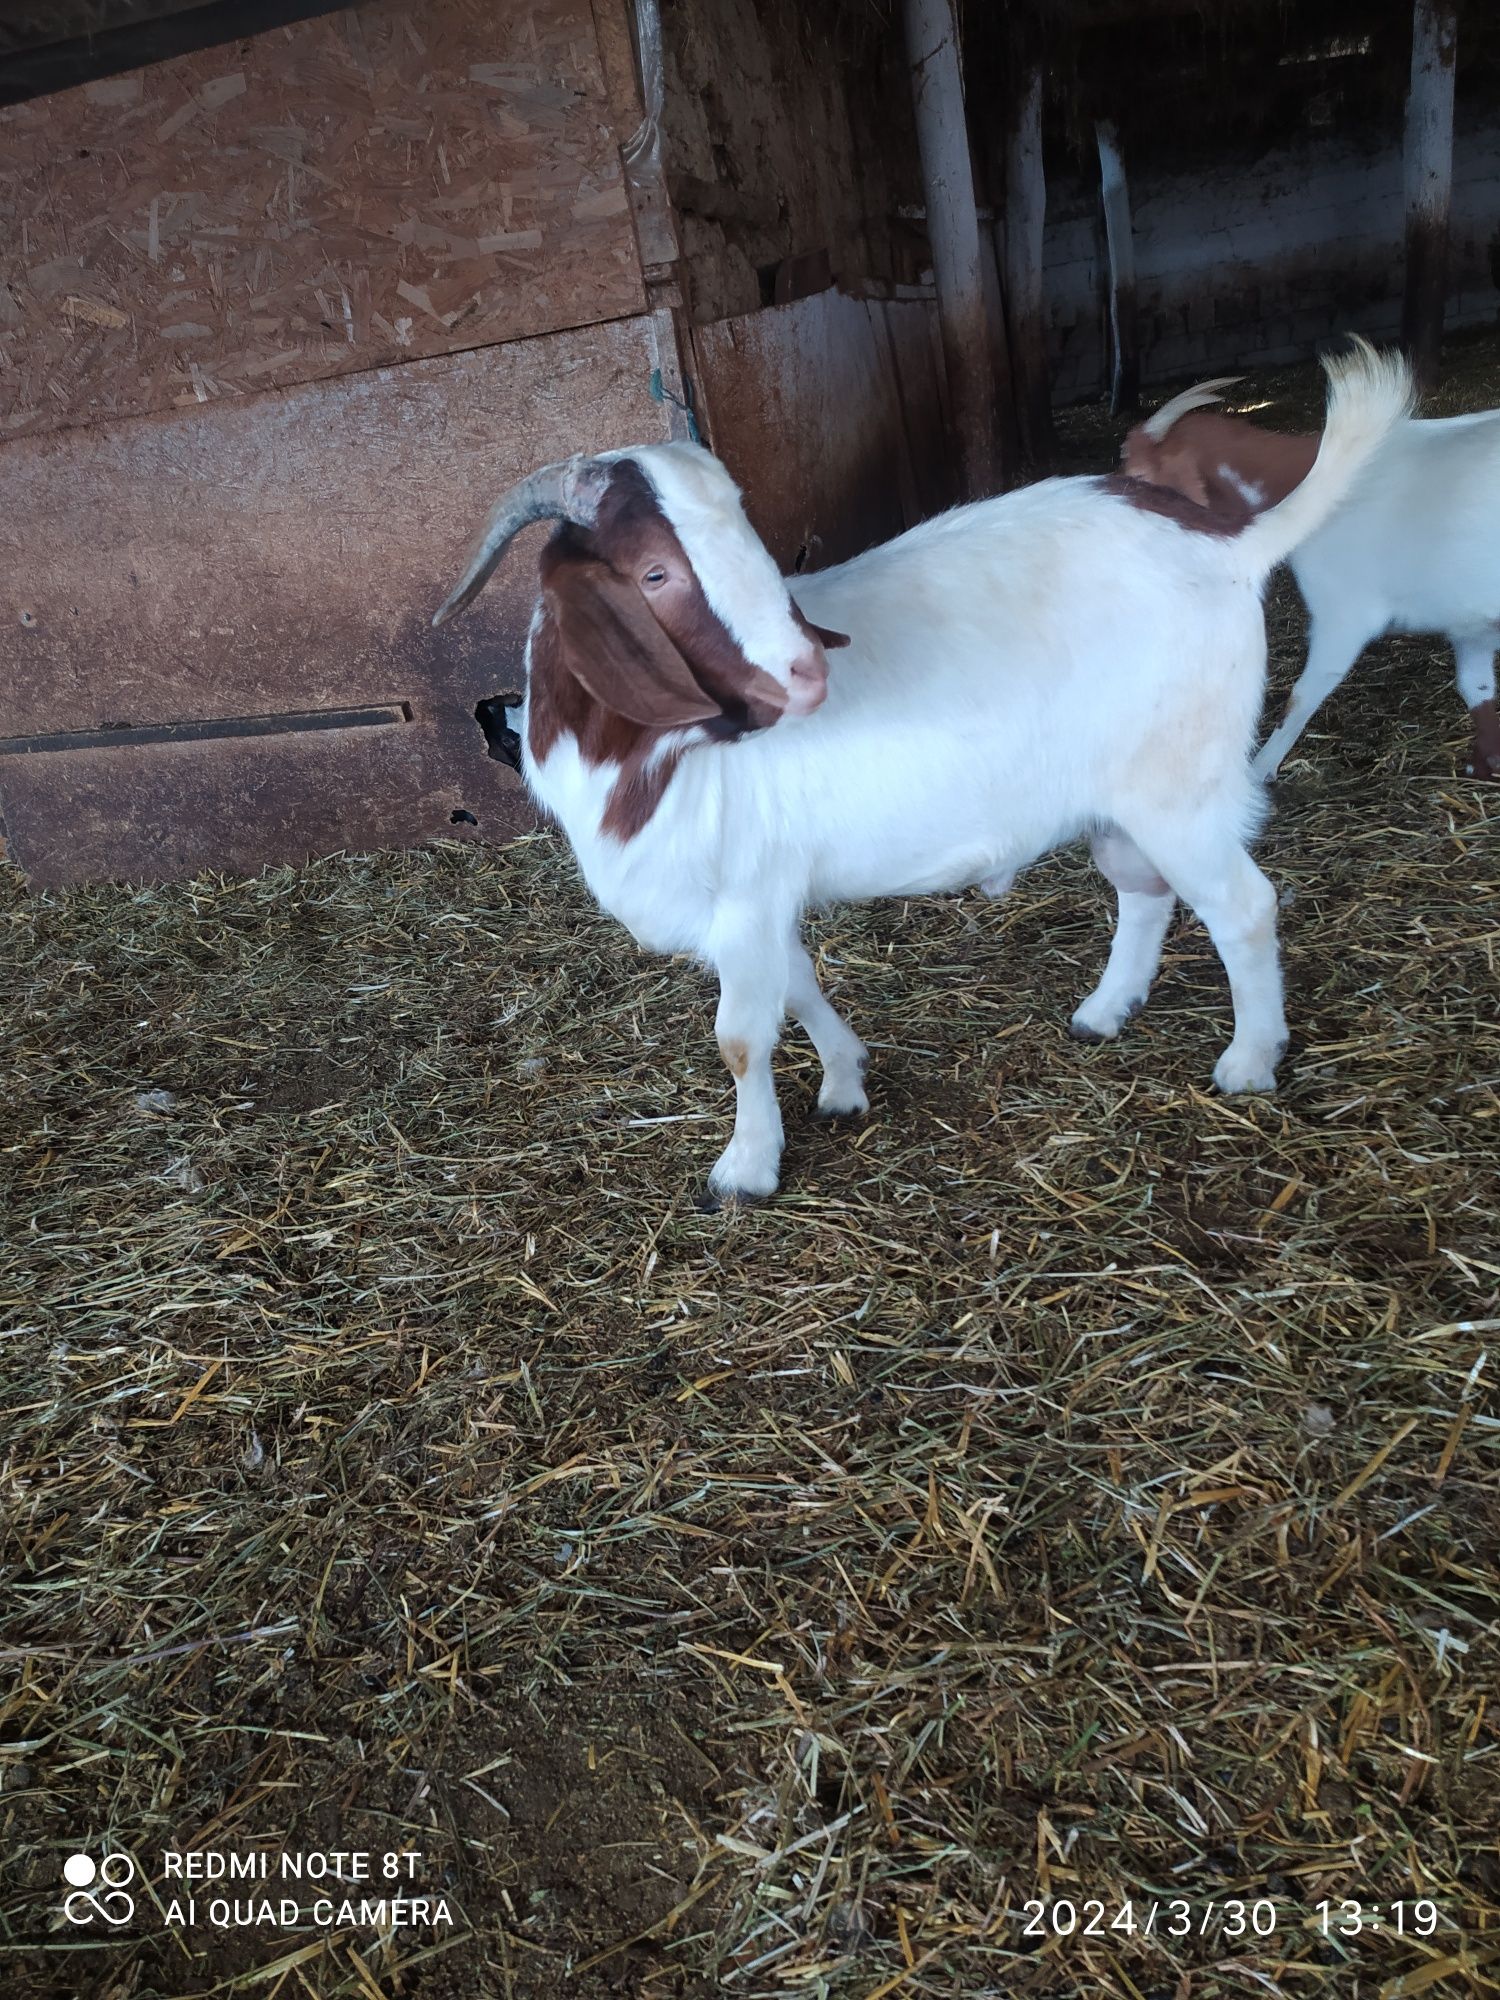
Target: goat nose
[809, 682]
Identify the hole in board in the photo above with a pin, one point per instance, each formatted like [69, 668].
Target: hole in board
[462, 817]
[501, 741]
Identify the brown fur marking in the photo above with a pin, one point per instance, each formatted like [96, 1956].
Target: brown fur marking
[629, 534]
[1484, 757]
[1190, 460]
[736, 1055]
[1222, 521]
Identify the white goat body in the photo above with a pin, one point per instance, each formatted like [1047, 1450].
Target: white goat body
[1060, 661]
[1413, 548]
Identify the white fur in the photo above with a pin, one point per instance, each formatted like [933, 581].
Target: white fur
[1415, 548]
[1038, 667]
[1249, 492]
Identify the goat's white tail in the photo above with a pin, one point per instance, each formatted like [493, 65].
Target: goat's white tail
[1368, 395]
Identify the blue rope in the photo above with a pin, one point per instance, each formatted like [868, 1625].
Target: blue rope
[660, 393]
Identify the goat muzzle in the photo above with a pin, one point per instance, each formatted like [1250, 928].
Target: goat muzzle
[808, 688]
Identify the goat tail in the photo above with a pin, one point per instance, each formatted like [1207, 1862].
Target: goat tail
[1369, 394]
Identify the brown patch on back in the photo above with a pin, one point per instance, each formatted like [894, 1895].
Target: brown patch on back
[1219, 519]
[1195, 456]
[736, 1055]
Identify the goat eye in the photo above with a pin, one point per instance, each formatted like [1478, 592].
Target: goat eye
[655, 576]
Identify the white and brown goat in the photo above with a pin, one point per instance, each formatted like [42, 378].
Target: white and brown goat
[1415, 547]
[1082, 657]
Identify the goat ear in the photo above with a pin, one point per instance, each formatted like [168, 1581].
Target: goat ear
[613, 647]
[821, 633]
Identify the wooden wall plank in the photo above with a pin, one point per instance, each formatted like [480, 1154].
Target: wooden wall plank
[829, 412]
[282, 554]
[383, 183]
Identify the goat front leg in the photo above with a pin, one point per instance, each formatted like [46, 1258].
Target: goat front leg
[1476, 684]
[1332, 651]
[840, 1051]
[751, 959]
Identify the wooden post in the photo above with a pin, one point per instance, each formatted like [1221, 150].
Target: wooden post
[635, 79]
[953, 230]
[1025, 296]
[1002, 382]
[1429, 181]
[1125, 370]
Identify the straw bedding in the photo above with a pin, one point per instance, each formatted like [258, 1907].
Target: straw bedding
[1074, 1485]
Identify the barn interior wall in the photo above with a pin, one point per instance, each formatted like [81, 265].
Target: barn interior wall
[277, 318]
[1252, 263]
[788, 134]
[829, 410]
[377, 185]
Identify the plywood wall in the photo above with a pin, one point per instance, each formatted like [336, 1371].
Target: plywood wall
[386, 183]
[281, 557]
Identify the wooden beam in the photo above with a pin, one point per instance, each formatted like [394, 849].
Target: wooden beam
[1125, 367]
[38, 72]
[629, 34]
[1002, 382]
[932, 49]
[1025, 290]
[1429, 181]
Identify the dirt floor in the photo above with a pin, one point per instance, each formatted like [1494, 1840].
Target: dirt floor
[1075, 1491]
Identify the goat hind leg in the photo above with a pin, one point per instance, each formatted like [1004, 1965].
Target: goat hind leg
[1144, 911]
[1332, 650]
[1214, 875]
[1476, 685]
[840, 1050]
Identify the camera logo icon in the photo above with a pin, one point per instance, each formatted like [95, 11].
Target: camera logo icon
[99, 1889]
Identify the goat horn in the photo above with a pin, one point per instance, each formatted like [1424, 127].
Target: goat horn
[555, 493]
[1197, 398]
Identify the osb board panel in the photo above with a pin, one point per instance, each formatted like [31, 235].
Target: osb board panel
[382, 183]
[274, 556]
[178, 808]
[828, 411]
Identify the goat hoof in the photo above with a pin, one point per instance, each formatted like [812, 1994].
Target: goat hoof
[1085, 1031]
[1236, 1074]
[713, 1201]
[838, 1115]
